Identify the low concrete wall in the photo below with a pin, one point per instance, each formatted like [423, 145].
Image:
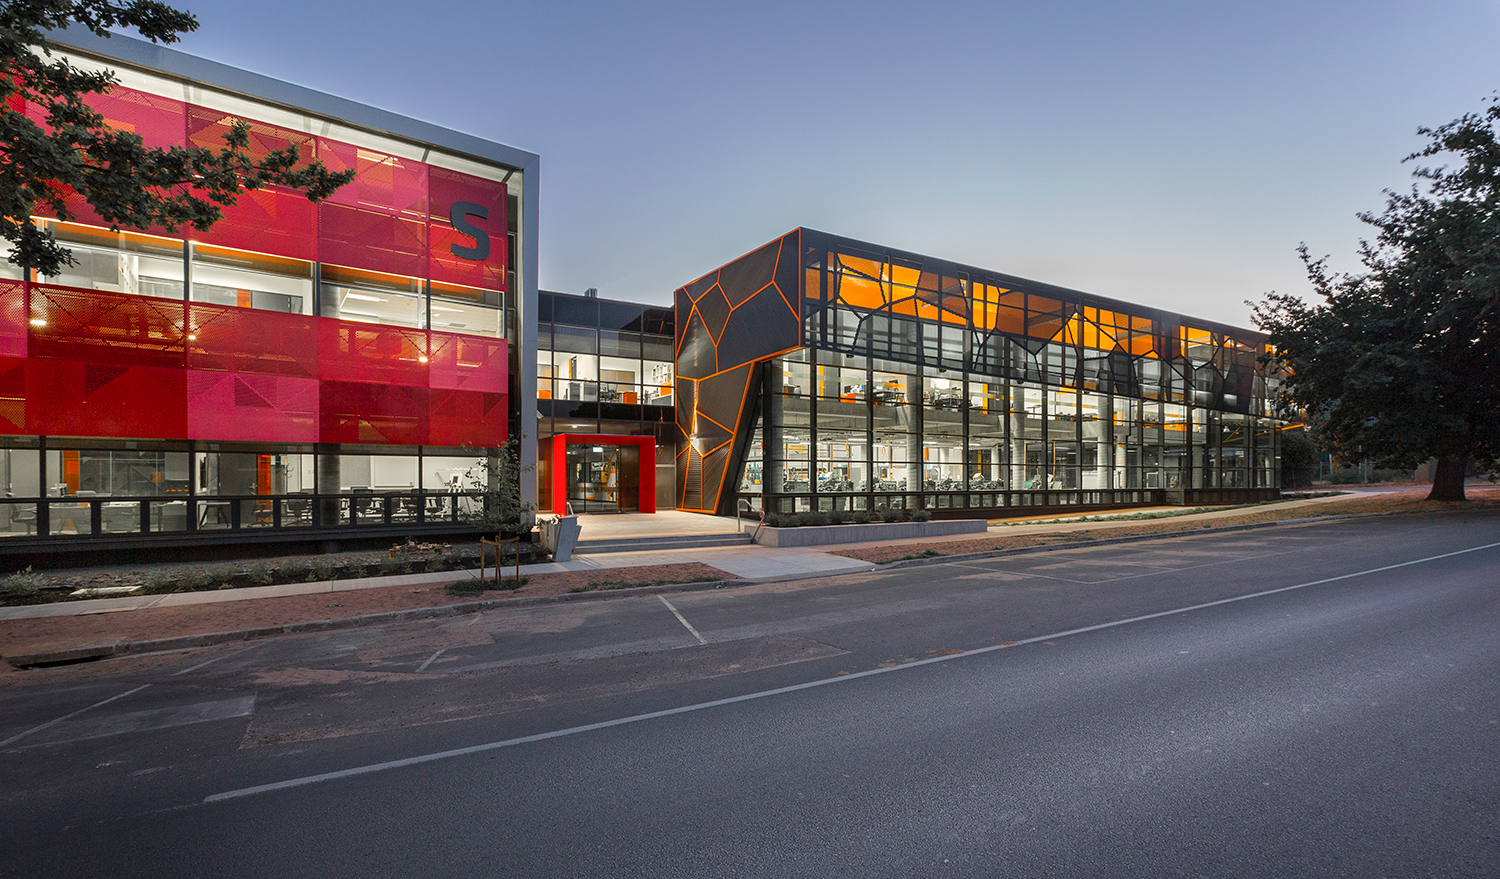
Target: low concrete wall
[823, 535]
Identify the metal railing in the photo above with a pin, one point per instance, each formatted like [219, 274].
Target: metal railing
[94, 516]
[990, 500]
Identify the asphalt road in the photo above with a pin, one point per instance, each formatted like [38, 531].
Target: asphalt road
[1310, 701]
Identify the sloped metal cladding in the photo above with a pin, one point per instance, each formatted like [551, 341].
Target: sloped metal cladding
[728, 322]
[714, 310]
[696, 356]
[749, 274]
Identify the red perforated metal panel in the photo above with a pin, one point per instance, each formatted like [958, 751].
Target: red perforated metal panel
[379, 221]
[231, 339]
[13, 317]
[251, 408]
[356, 412]
[76, 398]
[364, 239]
[103, 327]
[472, 418]
[271, 220]
[449, 188]
[472, 363]
[161, 122]
[358, 352]
[12, 395]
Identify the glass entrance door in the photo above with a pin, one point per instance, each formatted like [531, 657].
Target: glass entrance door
[594, 479]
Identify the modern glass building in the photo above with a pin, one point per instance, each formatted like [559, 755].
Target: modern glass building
[308, 373]
[605, 384]
[299, 371]
[820, 372]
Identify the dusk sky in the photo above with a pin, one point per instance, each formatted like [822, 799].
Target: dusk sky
[1167, 153]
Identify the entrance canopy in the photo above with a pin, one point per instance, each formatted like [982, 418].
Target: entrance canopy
[603, 472]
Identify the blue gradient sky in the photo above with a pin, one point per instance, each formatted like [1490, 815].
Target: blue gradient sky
[1168, 153]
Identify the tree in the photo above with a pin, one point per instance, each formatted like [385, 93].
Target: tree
[1401, 363]
[1299, 458]
[124, 181]
[495, 481]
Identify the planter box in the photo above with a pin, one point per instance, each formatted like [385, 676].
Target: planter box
[824, 535]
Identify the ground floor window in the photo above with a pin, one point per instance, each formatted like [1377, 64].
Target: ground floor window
[832, 431]
[56, 486]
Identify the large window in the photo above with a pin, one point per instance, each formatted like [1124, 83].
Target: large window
[467, 310]
[119, 262]
[372, 297]
[657, 369]
[251, 280]
[145, 265]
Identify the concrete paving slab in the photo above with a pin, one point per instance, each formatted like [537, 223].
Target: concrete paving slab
[665, 523]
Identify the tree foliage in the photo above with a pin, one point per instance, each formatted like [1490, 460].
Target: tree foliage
[1401, 362]
[1299, 458]
[495, 480]
[123, 180]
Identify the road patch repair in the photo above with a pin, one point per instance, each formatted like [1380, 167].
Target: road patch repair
[942, 656]
[60, 640]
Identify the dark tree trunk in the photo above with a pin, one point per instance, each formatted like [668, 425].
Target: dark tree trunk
[1448, 479]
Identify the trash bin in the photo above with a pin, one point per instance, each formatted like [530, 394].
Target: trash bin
[560, 535]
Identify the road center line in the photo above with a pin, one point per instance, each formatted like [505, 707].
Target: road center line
[748, 697]
[682, 619]
[51, 723]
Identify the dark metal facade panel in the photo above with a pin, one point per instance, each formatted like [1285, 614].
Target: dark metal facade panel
[731, 319]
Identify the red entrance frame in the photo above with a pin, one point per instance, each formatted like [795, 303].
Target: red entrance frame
[646, 478]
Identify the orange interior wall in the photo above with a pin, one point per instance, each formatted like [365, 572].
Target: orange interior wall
[70, 471]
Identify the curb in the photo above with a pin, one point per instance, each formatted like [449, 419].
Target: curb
[68, 655]
[1111, 541]
[87, 653]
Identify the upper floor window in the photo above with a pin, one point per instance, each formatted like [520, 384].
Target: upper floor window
[372, 297]
[251, 280]
[468, 310]
[119, 262]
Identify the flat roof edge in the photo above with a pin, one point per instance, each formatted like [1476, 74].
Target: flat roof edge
[1045, 288]
[630, 302]
[152, 56]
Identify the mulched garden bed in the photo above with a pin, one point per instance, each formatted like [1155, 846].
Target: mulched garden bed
[45, 587]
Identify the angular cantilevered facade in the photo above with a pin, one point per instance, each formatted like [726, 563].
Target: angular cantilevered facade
[821, 373]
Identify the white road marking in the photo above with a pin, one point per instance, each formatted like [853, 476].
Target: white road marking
[148, 720]
[748, 697]
[682, 619]
[51, 723]
[212, 661]
[423, 667]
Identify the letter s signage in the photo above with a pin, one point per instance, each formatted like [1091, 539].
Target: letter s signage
[459, 215]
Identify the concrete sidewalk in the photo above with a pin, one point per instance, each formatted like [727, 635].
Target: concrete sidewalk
[751, 563]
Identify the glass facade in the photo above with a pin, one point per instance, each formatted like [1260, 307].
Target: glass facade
[297, 365]
[925, 384]
[83, 486]
[603, 367]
